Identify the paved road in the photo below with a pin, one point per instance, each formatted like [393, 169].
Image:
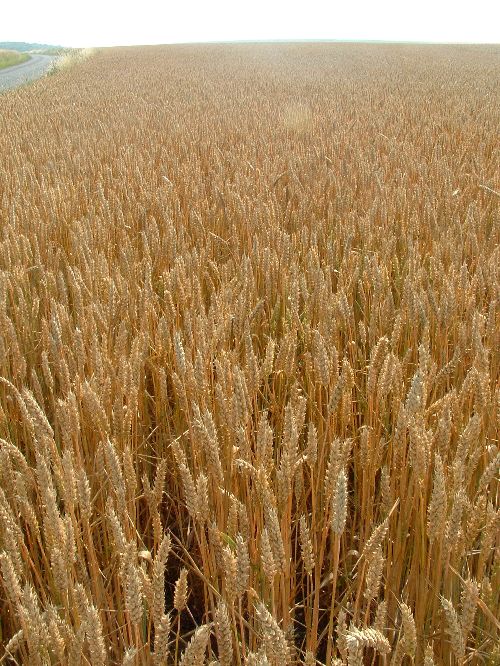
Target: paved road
[33, 68]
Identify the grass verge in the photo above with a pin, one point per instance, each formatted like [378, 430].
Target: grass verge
[10, 58]
[68, 58]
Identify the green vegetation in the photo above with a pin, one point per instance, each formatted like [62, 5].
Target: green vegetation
[28, 46]
[9, 58]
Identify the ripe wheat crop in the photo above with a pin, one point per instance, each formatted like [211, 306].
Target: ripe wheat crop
[249, 368]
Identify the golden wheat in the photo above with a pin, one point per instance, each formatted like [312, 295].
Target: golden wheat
[249, 369]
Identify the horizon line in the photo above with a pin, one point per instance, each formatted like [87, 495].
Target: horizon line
[269, 41]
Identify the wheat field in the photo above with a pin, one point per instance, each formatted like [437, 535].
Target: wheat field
[249, 367]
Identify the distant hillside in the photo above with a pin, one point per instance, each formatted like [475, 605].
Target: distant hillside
[26, 46]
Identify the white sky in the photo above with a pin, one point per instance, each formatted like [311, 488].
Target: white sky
[113, 22]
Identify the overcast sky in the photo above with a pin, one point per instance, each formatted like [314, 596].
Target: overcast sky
[113, 22]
